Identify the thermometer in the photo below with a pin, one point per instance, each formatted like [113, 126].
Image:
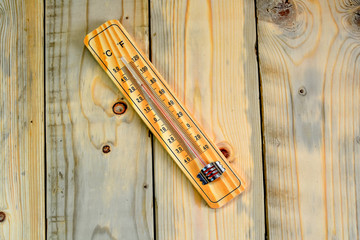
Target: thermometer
[164, 114]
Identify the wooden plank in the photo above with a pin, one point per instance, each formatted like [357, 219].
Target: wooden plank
[205, 50]
[309, 61]
[149, 94]
[92, 194]
[22, 120]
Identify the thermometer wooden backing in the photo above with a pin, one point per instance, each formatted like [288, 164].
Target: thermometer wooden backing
[167, 118]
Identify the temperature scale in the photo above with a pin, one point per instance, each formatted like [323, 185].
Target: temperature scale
[167, 118]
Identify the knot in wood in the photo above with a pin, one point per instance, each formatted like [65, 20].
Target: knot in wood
[227, 150]
[119, 108]
[2, 216]
[106, 149]
[282, 13]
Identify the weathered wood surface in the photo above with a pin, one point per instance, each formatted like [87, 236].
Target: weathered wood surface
[91, 194]
[309, 64]
[310, 85]
[22, 120]
[205, 50]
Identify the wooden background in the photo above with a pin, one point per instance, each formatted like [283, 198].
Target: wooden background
[278, 81]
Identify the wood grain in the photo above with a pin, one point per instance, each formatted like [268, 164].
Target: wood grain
[92, 194]
[309, 64]
[22, 120]
[205, 50]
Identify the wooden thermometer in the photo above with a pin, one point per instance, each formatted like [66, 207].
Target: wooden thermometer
[166, 117]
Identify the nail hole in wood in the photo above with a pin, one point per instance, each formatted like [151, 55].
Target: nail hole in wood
[146, 186]
[106, 149]
[119, 108]
[2, 216]
[302, 91]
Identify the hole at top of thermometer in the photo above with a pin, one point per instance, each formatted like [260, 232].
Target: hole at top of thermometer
[157, 104]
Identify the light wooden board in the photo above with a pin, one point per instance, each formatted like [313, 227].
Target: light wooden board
[22, 120]
[205, 50]
[309, 64]
[92, 195]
